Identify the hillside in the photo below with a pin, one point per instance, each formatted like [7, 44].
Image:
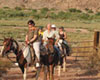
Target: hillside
[58, 4]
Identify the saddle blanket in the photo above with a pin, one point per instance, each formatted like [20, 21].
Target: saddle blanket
[27, 53]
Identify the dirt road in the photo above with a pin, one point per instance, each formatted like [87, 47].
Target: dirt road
[75, 71]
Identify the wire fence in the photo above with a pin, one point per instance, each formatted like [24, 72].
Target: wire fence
[78, 48]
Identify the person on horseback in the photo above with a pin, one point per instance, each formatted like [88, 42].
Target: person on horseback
[40, 32]
[53, 26]
[62, 33]
[32, 37]
[62, 38]
[49, 33]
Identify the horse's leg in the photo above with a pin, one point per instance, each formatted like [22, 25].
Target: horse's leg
[51, 72]
[23, 69]
[45, 72]
[24, 75]
[64, 64]
[37, 73]
[59, 70]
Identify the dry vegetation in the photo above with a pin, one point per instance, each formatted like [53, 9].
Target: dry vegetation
[56, 4]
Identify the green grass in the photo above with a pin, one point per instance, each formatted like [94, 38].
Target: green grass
[9, 28]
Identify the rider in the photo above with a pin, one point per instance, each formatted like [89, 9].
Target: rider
[53, 26]
[49, 33]
[40, 32]
[62, 38]
[32, 37]
[62, 34]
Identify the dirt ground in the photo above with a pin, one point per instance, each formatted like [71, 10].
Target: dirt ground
[74, 71]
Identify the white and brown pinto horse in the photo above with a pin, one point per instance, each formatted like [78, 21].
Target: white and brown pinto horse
[9, 45]
[49, 59]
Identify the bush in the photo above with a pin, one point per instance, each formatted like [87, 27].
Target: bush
[53, 15]
[74, 10]
[34, 11]
[88, 10]
[63, 15]
[53, 9]
[6, 7]
[43, 12]
[98, 13]
[36, 16]
[84, 16]
[18, 8]
[14, 13]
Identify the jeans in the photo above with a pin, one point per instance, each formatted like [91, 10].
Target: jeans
[58, 51]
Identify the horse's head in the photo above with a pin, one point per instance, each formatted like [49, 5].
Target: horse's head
[51, 41]
[7, 46]
[50, 45]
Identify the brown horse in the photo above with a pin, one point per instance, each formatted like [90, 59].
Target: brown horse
[50, 59]
[10, 44]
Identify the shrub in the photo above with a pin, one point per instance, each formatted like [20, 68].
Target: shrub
[74, 10]
[63, 15]
[98, 13]
[53, 9]
[13, 13]
[53, 15]
[44, 10]
[88, 10]
[6, 7]
[34, 10]
[18, 8]
[36, 16]
[84, 16]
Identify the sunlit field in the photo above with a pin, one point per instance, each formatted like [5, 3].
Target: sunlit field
[80, 42]
[14, 27]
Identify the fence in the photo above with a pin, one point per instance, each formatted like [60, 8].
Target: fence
[80, 47]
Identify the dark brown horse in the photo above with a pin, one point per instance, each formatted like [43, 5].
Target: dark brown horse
[50, 59]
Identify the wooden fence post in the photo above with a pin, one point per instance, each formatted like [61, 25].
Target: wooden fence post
[96, 40]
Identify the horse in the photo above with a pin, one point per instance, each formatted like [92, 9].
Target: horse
[50, 59]
[65, 51]
[9, 44]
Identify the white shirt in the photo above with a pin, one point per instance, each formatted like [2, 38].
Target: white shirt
[47, 34]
